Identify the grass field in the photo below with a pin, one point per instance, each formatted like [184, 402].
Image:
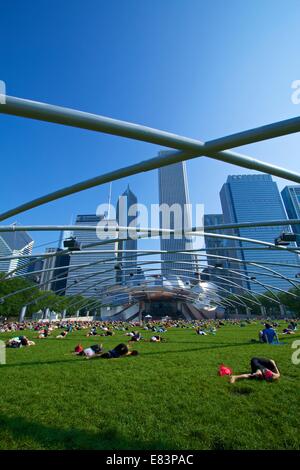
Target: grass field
[168, 397]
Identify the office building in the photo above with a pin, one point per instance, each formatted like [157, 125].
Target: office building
[174, 196]
[251, 198]
[55, 271]
[216, 271]
[291, 199]
[91, 273]
[127, 262]
[15, 244]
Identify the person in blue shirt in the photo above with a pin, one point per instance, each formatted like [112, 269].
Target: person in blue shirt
[268, 335]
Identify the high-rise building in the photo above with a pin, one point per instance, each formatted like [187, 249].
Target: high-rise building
[251, 198]
[291, 199]
[48, 269]
[98, 271]
[36, 264]
[55, 271]
[216, 247]
[15, 244]
[174, 195]
[127, 262]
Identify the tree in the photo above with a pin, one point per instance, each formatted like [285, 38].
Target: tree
[34, 298]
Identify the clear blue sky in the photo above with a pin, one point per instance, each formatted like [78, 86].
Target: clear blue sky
[198, 68]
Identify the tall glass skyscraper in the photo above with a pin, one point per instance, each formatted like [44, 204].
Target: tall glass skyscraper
[97, 277]
[251, 198]
[291, 199]
[128, 261]
[15, 244]
[212, 244]
[215, 247]
[53, 278]
[173, 191]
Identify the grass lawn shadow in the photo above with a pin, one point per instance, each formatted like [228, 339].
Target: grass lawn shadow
[41, 436]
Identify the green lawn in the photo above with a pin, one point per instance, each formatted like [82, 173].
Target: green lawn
[168, 397]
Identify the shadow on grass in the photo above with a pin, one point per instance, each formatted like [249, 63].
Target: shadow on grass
[40, 436]
[241, 390]
[228, 345]
[144, 354]
[41, 363]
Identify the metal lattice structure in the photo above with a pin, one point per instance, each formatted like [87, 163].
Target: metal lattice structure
[231, 290]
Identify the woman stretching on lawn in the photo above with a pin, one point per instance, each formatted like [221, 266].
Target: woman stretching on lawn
[119, 351]
[261, 368]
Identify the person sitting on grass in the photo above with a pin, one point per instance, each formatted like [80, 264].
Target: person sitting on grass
[268, 335]
[292, 326]
[121, 350]
[93, 332]
[261, 368]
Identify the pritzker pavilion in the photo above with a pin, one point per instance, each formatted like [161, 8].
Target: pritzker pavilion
[126, 296]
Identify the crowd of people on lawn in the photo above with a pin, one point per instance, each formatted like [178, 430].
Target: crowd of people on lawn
[261, 368]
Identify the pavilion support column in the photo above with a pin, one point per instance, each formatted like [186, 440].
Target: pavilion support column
[282, 311]
[140, 314]
[22, 314]
[46, 313]
[263, 311]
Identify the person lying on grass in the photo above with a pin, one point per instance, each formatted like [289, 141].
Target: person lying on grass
[131, 333]
[201, 332]
[136, 337]
[63, 334]
[91, 351]
[108, 333]
[156, 339]
[18, 342]
[43, 333]
[290, 329]
[121, 350]
[261, 369]
[287, 331]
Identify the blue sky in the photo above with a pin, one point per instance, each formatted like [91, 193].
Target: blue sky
[197, 68]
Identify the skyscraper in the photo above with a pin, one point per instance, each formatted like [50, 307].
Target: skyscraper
[127, 261]
[291, 199]
[216, 247]
[251, 198]
[55, 271]
[15, 244]
[36, 264]
[174, 196]
[99, 273]
[212, 244]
